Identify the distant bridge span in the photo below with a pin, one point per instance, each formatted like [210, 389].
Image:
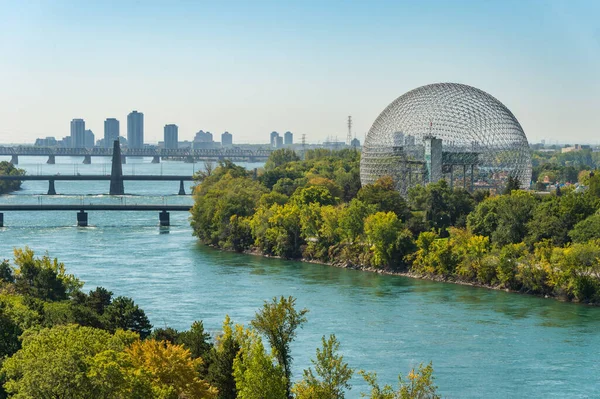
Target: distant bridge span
[82, 216]
[156, 154]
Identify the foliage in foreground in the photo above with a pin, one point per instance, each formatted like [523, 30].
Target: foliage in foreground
[58, 342]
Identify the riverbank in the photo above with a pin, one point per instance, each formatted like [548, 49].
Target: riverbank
[409, 274]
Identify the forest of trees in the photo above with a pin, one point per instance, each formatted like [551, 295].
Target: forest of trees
[7, 186]
[56, 341]
[315, 209]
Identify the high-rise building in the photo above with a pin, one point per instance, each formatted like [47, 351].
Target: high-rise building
[274, 136]
[171, 136]
[135, 130]
[226, 139]
[77, 133]
[288, 138]
[88, 139]
[111, 132]
[278, 142]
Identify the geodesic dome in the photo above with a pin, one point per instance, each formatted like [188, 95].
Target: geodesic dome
[446, 131]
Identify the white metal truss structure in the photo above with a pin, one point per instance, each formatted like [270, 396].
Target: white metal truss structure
[482, 141]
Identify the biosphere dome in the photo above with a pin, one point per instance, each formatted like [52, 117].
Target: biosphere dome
[446, 131]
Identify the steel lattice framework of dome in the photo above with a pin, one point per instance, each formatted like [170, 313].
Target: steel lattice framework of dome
[446, 131]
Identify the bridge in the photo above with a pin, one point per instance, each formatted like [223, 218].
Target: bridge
[157, 154]
[52, 178]
[82, 216]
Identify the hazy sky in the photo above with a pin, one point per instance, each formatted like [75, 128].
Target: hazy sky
[251, 67]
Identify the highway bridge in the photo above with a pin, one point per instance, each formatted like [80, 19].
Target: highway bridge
[185, 154]
[82, 216]
[52, 178]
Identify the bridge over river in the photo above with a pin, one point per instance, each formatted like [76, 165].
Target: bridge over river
[186, 154]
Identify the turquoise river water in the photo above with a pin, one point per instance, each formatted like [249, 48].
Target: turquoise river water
[482, 343]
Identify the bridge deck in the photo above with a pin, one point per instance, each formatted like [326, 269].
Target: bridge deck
[95, 207]
[99, 177]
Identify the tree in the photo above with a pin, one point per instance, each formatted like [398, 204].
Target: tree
[42, 278]
[388, 238]
[332, 374]
[54, 362]
[6, 273]
[256, 376]
[278, 320]
[384, 195]
[123, 313]
[587, 229]
[512, 183]
[418, 385]
[170, 368]
[221, 359]
[196, 340]
[281, 157]
[7, 168]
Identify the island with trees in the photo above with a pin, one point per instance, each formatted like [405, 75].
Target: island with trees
[316, 210]
[8, 169]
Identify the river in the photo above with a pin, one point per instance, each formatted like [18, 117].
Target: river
[482, 343]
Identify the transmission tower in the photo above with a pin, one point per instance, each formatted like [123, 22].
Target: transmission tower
[349, 137]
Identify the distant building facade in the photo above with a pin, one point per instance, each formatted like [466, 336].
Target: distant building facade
[203, 140]
[226, 139]
[273, 141]
[77, 133]
[288, 138]
[355, 143]
[46, 142]
[88, 139]
[278, 142]
[171, 136]
[135, 130]
[111, 131]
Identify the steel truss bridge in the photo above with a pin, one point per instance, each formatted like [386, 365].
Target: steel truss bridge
[185, 154]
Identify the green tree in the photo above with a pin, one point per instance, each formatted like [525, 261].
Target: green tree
[388, 238]
[281, 157]
[512, 183]
[278, 320]
[221, 359]
[256, 375]
[331, 375]
[384, 196]
[417, 385]
[586, 230]
[124, 314]
[54, 362]
[7, 168]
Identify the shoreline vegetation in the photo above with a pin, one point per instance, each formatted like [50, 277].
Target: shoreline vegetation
[315, 210]
[8, 186]
[58, 341]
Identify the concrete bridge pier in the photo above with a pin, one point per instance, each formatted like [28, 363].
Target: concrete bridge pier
[156, 159]
[123, 159]
[51, 160]
[1, 220]
[164, 218]
[51, 189]
[181, 188]
[82, 219]
[14, 159]
[87, 159]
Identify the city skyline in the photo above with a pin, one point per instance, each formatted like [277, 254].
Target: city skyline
[299, 66]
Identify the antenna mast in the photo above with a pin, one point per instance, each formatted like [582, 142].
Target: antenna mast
[349, 137]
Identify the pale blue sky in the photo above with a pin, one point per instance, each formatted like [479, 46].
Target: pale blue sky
[253, 67]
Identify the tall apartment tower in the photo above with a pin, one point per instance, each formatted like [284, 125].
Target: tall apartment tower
[111, 132]
[171, 136]
[88, 139]
[135, 130]
[288, 138]
[77, 133]
[274, 136]
[226, 139]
